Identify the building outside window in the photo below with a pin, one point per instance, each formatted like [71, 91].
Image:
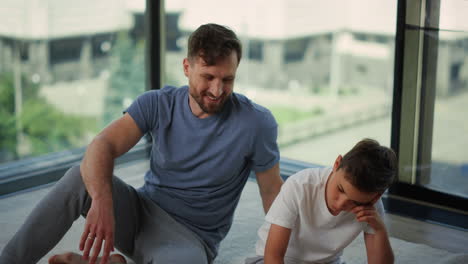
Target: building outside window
[67, 69]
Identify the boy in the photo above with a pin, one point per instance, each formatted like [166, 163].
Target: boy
[320, 211]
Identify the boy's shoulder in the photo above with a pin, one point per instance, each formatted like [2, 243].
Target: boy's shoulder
[311, 176]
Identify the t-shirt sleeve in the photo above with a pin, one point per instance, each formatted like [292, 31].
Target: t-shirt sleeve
[266, 153]
[380, 210]
[285, 208]
[144, 110]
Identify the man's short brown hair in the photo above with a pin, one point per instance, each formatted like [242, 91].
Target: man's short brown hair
[369, 166]
[213, 42]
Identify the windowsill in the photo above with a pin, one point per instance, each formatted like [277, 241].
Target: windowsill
[31, 172]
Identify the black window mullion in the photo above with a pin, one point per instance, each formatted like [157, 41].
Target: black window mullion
[155, 46]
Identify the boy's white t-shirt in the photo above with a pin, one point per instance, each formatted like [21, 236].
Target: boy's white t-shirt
[317, 236]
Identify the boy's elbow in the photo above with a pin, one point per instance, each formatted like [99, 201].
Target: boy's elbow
[386, 258]
[273, 259]
[275, 256]
[391, 257]
[382, 257]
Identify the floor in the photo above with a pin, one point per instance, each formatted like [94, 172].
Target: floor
[14, 209]
[408, 229]
[434, 235]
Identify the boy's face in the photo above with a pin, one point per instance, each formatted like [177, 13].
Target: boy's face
[341, 195]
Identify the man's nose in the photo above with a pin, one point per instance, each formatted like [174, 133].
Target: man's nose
[216, 88]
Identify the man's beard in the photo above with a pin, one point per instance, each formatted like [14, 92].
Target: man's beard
[210, 108]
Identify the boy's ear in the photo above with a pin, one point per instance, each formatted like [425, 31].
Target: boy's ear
[376, 198]
[337, 162]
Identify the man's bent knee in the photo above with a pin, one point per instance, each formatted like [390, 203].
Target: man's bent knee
[71, 184]
[72, 178]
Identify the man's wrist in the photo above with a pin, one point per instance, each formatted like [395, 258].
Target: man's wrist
[103, 197]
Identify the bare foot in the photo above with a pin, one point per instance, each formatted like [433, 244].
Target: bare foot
[73, 258]
[67, 258]
[117, 259]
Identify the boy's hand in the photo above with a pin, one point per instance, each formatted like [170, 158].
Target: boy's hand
[367, 213]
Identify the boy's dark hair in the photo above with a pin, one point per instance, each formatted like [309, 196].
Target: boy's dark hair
[213, 42]
[369, 166]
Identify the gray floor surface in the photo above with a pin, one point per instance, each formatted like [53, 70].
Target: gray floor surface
[240, 242]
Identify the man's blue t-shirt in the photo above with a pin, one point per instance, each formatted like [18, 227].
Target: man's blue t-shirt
[200, 166]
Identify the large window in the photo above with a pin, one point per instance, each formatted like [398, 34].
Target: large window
[325, 68]
[67, 69]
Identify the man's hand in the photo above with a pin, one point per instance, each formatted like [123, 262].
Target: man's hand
[367, 213]
[99, 229]
[97, 170]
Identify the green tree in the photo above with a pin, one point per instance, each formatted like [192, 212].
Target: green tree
[127, 77]
[7, 118]
[45, 128]
[286, 114]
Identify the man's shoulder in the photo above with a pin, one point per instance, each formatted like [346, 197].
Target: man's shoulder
[249, 105]
[163, 96]
[166, 90]
[259, 113]
[172, 91]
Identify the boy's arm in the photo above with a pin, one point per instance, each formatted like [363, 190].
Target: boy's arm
[378, 248]
[276, 245]
[378, 245]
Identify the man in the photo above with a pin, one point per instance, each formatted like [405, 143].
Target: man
[206, 140]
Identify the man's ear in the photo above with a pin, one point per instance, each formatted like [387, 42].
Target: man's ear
[186, 65]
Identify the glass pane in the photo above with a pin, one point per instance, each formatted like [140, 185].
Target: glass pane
[66, 70]
[449, 168]
[324, 68]
[453, 15]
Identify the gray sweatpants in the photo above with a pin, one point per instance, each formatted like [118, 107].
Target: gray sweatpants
[143, 231]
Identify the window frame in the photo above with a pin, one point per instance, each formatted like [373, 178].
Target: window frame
[412, 119]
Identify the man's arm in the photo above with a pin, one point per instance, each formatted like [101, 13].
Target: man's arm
[269, 183]
[277, 244]
[97, 170]
[378, 245]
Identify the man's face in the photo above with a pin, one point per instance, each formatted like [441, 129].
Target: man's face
[210, 86]
[341, 195]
